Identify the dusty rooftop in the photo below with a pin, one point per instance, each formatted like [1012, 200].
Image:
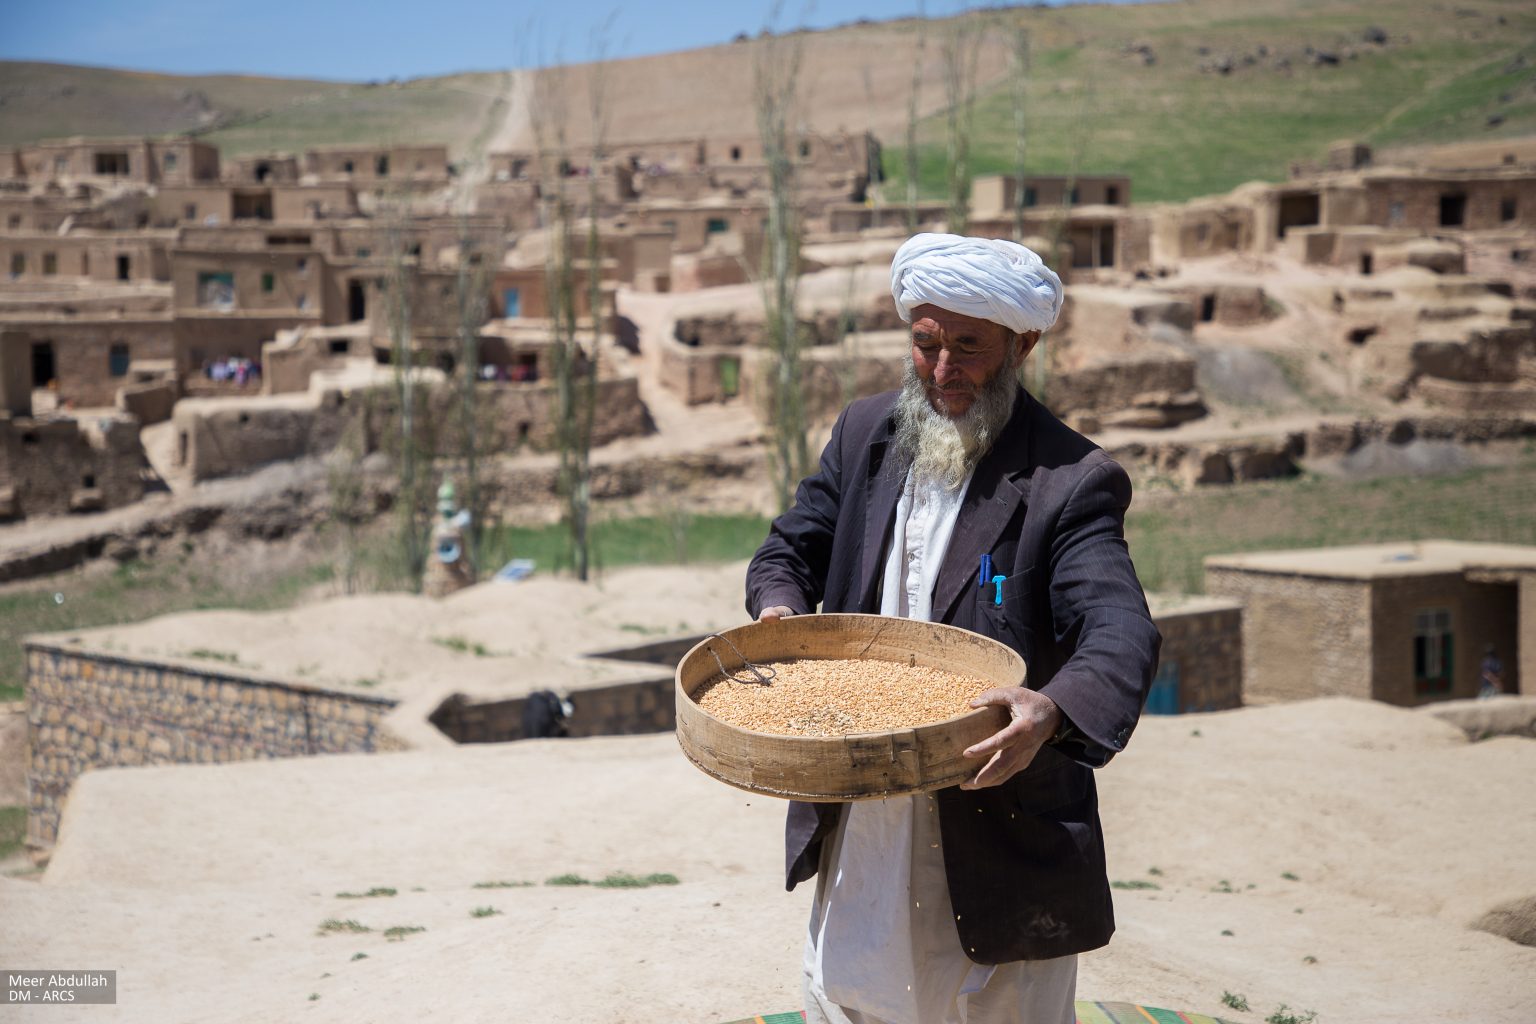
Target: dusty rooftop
[1260, 874]
[495, 639]
[1377, 561]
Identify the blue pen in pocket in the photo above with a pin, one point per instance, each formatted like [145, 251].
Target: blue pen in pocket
[985, 573]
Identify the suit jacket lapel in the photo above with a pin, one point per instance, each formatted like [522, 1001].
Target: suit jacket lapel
[882, 491]
[999, 487]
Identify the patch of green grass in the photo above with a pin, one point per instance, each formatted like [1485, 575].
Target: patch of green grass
[1223, 886]
[1135, 883]
[378, 890]
[207, 654]
[567, 879]
[637, 540]
[400, 931]
[1170, 535]
[484, 912]
[1285, 1015]
[1290, 876]
[13, 830]
[462, 646]
[623, 880]
[1233, 1000]
[335, 924]
[501, 885]
[359, 956]
[132, 592]
[1154, 871]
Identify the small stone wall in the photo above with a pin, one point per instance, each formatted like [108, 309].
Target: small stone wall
[90, 709]
[618, 710]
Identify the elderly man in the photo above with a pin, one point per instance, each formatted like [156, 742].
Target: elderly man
[960, 499]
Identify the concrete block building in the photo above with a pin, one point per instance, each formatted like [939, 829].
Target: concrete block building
[1403, 623]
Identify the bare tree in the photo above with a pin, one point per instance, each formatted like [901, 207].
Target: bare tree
[912, 104]
[415, 440]
[1060, 255]
[576, 369]
[1019, 80]
[962, 52]
[775, 69]
[478, 436]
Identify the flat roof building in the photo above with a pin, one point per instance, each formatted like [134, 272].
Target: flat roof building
[1404, 623]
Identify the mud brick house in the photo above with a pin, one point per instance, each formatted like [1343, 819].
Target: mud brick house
[1404, 623]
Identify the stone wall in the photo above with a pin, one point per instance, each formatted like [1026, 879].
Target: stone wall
[1303, 636]
[58, 466]
[1204, 646]
[618, 710]
[1152, 388]
[92, 709]
[223, 437]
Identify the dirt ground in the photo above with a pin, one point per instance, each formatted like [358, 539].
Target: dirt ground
[1327, 855]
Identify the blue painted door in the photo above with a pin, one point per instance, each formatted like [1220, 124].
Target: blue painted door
[1164, 698]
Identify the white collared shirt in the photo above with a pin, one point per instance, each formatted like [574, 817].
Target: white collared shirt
[884, 940]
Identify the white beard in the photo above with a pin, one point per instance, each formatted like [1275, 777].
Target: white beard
[945, 450]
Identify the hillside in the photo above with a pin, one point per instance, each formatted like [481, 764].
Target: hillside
[1182, 127]
[1138, 88]
[240, 113]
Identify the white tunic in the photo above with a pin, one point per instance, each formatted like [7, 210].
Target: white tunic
[883, 945]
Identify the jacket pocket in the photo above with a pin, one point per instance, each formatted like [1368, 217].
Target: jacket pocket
[1008, 621]
[1050, 783]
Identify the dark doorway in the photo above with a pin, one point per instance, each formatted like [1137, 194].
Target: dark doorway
[124, 268]
[43, 372]
[1453, 210]
[1298, 210]
[1207, 308]
[357, 302]
[1107, 245]
[112, 163]
[1367, 263]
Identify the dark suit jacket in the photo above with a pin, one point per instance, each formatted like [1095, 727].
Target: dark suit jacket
[1025, 860]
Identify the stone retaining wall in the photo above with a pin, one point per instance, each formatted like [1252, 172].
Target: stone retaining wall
[91, 709]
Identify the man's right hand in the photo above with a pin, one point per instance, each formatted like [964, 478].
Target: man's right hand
[775, 613]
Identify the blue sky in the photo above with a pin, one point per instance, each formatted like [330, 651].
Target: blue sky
[381, 39]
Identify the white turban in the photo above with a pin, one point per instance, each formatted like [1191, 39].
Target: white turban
[987, 278]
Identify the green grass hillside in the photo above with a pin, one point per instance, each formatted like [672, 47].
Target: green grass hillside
[1179, 131]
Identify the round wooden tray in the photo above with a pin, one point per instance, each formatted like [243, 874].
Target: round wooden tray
[859, 766]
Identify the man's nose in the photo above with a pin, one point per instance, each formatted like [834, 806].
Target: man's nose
[944, 369]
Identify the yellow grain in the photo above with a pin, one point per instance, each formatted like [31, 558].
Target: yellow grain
[837, 696]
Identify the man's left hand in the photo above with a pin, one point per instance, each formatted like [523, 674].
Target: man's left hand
[1035, 720]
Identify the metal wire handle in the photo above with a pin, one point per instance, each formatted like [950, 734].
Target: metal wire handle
[756, 670]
